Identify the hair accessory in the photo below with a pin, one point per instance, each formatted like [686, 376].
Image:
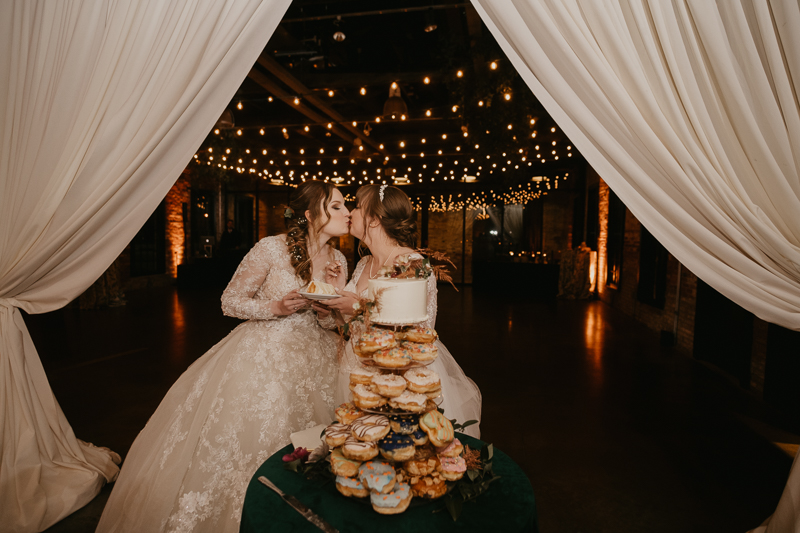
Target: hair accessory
[380, 192]
[288, 213]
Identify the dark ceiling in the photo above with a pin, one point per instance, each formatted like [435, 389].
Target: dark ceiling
[472, 127]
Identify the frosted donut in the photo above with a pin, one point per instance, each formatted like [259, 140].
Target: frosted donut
[431, 487]
[347, 412]
[341, 465]
[363, 376]
[370, 428]
[358, 450]
[452, 468]
[420, 438]
[389, 385]
[378, 476]
[375, 339]
[409, 401]
[396, 447]
[422, 380]
[433, 394]
[454, 449]
[366, 399]
[438, 428]
[392, 358]
[404, 424]
[421, 351]
[420, 334]
[350, 486]
[423, 463]
[394, 502]
[336, 434]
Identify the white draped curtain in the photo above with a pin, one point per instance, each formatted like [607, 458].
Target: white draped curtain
[689, 110]
[102, 105]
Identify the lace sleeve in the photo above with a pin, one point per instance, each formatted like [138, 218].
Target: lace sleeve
[329, 322]
[432, 304]
[238, 298]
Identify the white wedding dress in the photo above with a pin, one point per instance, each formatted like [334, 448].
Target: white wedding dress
[234, 407]
[461, 396]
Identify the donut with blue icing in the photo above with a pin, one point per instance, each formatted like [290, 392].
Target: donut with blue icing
[393, 502]
[350, 486]
[377, 476]
[404, 424]
[396, 447]
[419, 437]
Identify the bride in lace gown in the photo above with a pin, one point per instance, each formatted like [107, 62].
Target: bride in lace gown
[235, 406]
[384, 221]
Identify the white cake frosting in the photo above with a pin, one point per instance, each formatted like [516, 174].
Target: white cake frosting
[403, 301]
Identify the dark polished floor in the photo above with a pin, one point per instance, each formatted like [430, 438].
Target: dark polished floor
[616, 433]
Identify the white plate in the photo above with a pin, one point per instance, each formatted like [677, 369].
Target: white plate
[311, 296]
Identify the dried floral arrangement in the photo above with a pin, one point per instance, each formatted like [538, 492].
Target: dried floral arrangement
[420, 265]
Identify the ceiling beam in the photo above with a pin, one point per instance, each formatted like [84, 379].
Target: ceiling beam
[263, 80]
[296, 85]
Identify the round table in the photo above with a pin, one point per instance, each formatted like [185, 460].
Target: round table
[508, 505]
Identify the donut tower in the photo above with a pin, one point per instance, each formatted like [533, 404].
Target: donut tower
[391, 443]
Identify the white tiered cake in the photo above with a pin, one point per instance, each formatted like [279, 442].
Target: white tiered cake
[402, 301]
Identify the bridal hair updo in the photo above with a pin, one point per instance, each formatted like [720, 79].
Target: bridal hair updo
[313, 196]
[394, 212]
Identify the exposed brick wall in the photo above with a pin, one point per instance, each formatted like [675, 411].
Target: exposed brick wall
[177, 236]
[624, 296]
[445, 232]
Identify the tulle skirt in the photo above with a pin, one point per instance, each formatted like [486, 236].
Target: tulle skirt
[189, 468]
[461, 397]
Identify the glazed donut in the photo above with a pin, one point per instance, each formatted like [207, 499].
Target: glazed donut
[389, 385]
[375, 339]
[362, 376]
[438, 428]
[366, 399]
[404, 424]
[392, 358]
[419, 334]
[432, 486]
[341, 465]
[433, 394]
[394, 502]
[378, 476]
[336, 434]
[358, 450]
[370, 428]
[423, 463]
[346, 413]
[452, 468]
[396, 447]
[421, 351]
[454, 449]
[422, 380]
[350, 486]
[409, 401]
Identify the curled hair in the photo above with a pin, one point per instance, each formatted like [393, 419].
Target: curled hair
[313, 196]
[395, 213]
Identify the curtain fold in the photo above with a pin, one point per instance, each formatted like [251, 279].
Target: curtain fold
[104, 105]
[688, 109]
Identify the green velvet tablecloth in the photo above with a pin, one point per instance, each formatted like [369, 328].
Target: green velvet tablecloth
[508, 505]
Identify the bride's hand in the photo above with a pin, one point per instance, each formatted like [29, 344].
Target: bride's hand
[291, 303]
[344, 302]
[333, 274]
[323, 311]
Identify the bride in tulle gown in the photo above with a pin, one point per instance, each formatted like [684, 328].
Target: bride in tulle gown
[235, 406]
[384, 221]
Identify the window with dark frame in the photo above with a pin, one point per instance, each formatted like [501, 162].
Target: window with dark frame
[652, 289]
[616, 240]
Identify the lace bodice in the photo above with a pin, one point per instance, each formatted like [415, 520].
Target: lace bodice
[432, 291]
[264, 275]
